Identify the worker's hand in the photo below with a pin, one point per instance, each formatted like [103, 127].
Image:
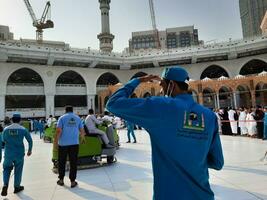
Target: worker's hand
[29, 153]
[150, 78]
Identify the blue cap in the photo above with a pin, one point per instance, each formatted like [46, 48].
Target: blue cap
[175, 74]
[16, 115]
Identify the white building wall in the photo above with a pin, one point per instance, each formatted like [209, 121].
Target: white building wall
[49, 75]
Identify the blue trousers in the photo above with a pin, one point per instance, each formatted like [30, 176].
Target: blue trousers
[130, 131]
[8, 165]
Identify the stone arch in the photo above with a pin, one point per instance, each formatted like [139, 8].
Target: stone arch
[254, 66]
[147, 95]
[243, 96]
[70, 77]
[70, 90]
[226, 97]
[107, 79]
[134, 95]
[214, 71]
[261, 94]
[26, 76]
[139, 74]
[194, 95]
[209, 99]
[25, 89]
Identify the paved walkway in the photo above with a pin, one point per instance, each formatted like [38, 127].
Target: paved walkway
[244, 177]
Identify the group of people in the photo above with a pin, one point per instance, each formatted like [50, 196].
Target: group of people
[184, 136]
[250, 122]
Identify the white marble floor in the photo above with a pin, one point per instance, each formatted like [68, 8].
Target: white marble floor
[244, 176]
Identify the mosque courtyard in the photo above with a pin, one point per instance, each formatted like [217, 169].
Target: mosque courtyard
[244, 176]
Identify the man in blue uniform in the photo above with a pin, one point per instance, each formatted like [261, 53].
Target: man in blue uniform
[67, 142]
[184, 135]
[130, 131]
[13, 136]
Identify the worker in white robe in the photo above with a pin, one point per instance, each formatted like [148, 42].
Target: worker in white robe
[251, 124]
[242, 122]
[232, 115]
[217, 111]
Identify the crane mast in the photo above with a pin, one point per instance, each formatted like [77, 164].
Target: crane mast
[40, 24]
[154, 25]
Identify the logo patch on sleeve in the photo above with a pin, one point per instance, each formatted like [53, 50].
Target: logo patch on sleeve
[194, 122]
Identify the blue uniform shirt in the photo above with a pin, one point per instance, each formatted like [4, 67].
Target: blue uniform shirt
[129, 125]
[70, 125]
[184, 139]
[13, 136]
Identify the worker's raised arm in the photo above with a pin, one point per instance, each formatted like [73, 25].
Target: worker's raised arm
[139, 111]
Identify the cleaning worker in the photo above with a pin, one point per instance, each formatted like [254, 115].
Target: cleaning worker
[13, 136]
[184, 135]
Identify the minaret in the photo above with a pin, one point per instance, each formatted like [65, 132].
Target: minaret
[105, 37]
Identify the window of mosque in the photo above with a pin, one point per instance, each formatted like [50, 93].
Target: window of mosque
[25, 76]
[107, 79]
[73, 100]
[25, 101]
[253, 67]
[70, 77]
[139, 74]
[214, 71]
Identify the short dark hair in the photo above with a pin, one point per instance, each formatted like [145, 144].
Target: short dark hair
[91, 111]
[16, 119]
[182, 85]
[68, 109]
[7, 121]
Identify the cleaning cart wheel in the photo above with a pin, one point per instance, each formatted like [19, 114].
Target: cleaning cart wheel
[110, 159]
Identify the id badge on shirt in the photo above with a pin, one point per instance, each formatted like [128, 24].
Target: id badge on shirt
[193, 125]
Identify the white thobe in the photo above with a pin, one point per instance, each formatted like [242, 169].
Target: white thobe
[242, 123]
[233, 122]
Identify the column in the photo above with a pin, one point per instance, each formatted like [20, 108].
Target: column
[235, 103]
[218, 100]
[49, 105]
[253, 98]
[200, 98]
[2, 107]
[91, 101]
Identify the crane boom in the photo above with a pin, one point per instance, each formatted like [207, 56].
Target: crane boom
[29, 7]
[152, 13]
[154, 25]
[40, 24]
[47, 6]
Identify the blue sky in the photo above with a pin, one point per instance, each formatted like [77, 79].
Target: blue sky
[78, 22]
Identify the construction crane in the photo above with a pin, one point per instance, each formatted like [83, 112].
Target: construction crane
[154, 25]
[41, 23]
